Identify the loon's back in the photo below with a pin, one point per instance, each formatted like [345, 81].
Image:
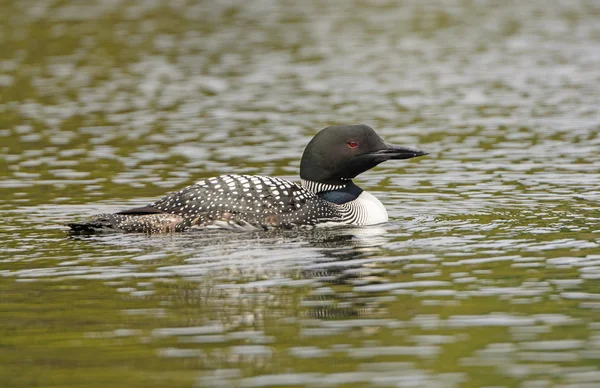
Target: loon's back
[224, 201]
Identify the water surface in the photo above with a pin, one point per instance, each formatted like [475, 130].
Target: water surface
[487, 274]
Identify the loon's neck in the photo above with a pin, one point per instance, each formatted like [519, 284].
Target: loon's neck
[318, 187]
[359, 206]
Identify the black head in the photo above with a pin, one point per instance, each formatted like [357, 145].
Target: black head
[339, 153]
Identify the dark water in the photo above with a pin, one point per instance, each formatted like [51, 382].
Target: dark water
[487, 274]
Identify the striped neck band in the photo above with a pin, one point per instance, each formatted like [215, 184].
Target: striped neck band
[317, 187]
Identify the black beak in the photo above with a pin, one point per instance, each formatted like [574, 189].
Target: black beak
[397, 152]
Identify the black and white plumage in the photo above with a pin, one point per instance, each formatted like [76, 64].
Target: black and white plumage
[327, 194]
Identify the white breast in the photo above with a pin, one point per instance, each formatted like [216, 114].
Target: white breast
[366, 210]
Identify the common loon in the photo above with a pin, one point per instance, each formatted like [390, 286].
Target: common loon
[326, 195]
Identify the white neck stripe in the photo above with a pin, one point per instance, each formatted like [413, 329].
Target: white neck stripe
[317, 187]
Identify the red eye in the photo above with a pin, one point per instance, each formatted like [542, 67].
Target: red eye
[352, 144]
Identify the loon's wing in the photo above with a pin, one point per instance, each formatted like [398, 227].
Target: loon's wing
[256, 200]
[148, 209]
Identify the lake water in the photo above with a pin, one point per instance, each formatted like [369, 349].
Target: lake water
[487, 275]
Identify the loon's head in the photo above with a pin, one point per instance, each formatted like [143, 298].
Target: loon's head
[339, 153]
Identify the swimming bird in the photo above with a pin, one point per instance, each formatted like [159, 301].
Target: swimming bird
[327, 195]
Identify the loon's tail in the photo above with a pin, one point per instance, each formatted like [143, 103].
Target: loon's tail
[99, 224]
[129, 223]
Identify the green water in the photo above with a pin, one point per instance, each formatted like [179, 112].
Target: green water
[487, 274]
